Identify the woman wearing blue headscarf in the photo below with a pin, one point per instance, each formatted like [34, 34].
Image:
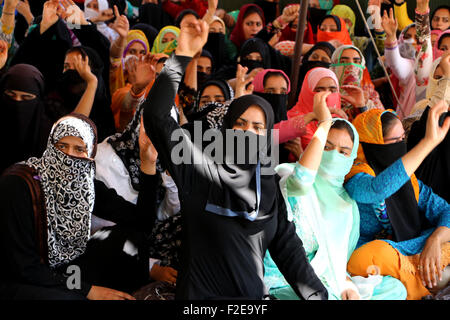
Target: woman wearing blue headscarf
[326, 218]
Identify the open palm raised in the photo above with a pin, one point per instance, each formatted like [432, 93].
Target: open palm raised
[193, 36]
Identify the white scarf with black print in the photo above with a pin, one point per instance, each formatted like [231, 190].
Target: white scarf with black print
[68, 186]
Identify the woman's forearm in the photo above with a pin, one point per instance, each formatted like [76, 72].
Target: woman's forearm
[424, 61]
[312, 155]
[401, 67]
[292, 128]
[442, 234]
[87, 100]
[190, 77]
[413, 159]
[8, 16]
[162, 95]
[117, 48]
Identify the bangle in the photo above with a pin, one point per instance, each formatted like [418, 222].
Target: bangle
[324, 120]
[282, 24]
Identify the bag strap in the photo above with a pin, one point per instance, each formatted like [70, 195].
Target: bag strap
[32, 179]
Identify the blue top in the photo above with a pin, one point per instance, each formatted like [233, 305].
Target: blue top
[370, 193]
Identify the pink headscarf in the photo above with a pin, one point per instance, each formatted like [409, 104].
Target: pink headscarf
[436, 52]
[258, 81]
[305, 101]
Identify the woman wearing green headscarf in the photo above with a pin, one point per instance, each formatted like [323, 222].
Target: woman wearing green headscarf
[166, 40]
[326, 218]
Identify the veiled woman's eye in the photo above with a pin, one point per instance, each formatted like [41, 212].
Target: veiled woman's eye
[80, 149]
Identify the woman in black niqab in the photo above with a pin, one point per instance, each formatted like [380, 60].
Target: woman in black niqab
[25, 125]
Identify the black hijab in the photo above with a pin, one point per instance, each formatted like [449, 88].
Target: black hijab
[269, 8]
[308, 65]
[154, 15]
[277, 101]
[71, 88]
[335, 18]
[315, 17]
[211, 114]
[255, 45]
[25, 125]
[242, 189]
[182, 14]
[402, 208]
[216, 46]
[223, 85]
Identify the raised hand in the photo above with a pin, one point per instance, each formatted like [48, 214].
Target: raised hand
[103, 16]
[3, 53]
[423, 6]
[193, 36]
[389, 25]
[84, 70]
[71, 13]
[212, 6]
[320, 108]
[23, 7]
[434, 133]
[49, 15]
[242, 80]
[290, 13]
[141, 72]
[121, 24]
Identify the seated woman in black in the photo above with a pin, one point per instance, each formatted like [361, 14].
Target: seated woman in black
[46, 205]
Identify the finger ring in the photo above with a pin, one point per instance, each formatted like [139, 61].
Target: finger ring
[419, 267]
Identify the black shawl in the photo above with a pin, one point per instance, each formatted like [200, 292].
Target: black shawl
[434, 171]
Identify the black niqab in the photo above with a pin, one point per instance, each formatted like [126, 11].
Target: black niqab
[25, 125]
[240, 189]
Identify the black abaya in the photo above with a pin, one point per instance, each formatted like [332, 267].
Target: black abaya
[222, 257]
